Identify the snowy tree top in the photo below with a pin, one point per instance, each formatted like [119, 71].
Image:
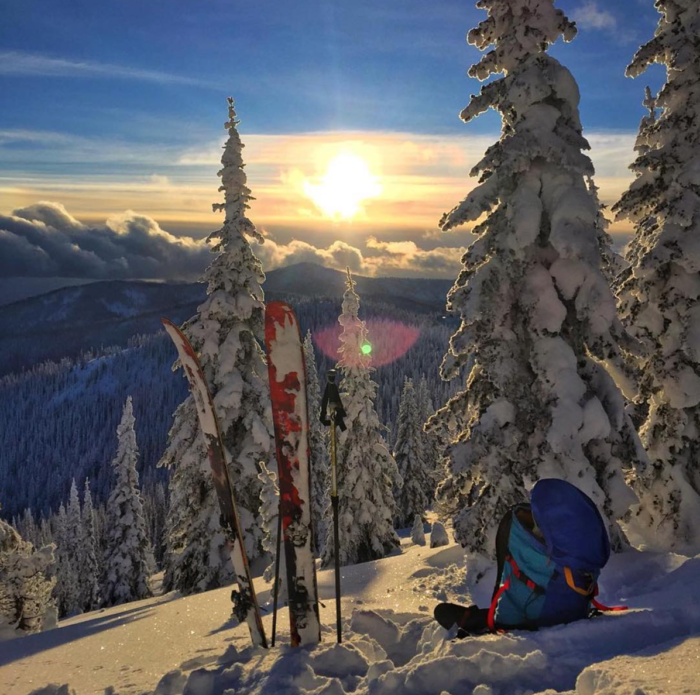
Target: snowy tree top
[354, 335]
[668, 144]
[674, 42]
[126, 435]
[538, 103]
[234, 182]
[128, 420]
[74, 493]
[235, 270]
[518, 29]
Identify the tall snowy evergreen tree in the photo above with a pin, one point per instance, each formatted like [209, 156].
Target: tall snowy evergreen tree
[89, 566]
[99, 516]
[45, 535]
[156, 510]
[28, 528]
[432, 448]
[72, 552]
[538, 319]
[413, 498]
[127, 553]
[225, 332]
[367, 473]
[26, 604]
[318, 444]
[67, 588]
[197, 557]
[660, 293]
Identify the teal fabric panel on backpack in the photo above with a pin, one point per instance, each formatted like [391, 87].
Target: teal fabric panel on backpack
[520, 605]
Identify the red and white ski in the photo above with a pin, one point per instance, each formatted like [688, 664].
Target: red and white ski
[287, 370]
[245, 602]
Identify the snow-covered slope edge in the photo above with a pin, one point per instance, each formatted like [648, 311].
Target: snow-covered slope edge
[391, 645]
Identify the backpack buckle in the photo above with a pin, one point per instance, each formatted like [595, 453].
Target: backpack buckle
[569, 575]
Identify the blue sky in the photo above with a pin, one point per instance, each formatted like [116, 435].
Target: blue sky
[107, 105]
[300, 66]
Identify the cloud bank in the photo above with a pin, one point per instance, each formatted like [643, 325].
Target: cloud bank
[44, 240]
[379, 258]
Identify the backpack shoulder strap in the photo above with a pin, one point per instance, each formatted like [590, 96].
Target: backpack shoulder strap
[502, 537]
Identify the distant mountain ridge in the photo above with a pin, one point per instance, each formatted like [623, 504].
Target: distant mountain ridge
[101, 302]
[67, 321]
[309, 279]
[119, 300]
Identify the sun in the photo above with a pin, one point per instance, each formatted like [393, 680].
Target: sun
[347, 183]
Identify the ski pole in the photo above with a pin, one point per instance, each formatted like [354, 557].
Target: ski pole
[277, 575]
[331, 404]
[336, 535]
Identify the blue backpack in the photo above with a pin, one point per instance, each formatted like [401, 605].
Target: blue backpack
[550, 553]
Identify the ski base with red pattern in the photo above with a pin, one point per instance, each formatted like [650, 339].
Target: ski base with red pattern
[287, 372]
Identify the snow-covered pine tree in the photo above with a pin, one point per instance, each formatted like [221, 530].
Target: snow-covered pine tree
[26, 603]
[72, 552]
[127, 553]
[431, 442]
[538, 319]
[225, 332]
[156, 510]
[318, 444]
[66, 573]
[89, 566]
[367, 473]
[28, 528]
[100, 517]
[45, 536]
[197, 557]
[412, 498]
[269, 513]
[611, 262]
[660, 293]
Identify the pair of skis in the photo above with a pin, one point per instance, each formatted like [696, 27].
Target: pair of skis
[287, 374]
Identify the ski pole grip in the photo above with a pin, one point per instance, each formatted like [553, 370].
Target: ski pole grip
[332, 411]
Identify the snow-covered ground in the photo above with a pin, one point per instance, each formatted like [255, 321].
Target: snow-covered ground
[391, 644]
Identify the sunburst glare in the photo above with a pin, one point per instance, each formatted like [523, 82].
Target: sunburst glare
[347, 183]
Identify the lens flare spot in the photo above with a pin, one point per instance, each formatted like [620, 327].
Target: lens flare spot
[391, 340]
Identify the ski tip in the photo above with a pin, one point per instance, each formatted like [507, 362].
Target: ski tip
[279, 313]
[278, 308]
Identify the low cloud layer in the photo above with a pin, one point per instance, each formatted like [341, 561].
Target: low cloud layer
[44, 240]
[378, 258]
